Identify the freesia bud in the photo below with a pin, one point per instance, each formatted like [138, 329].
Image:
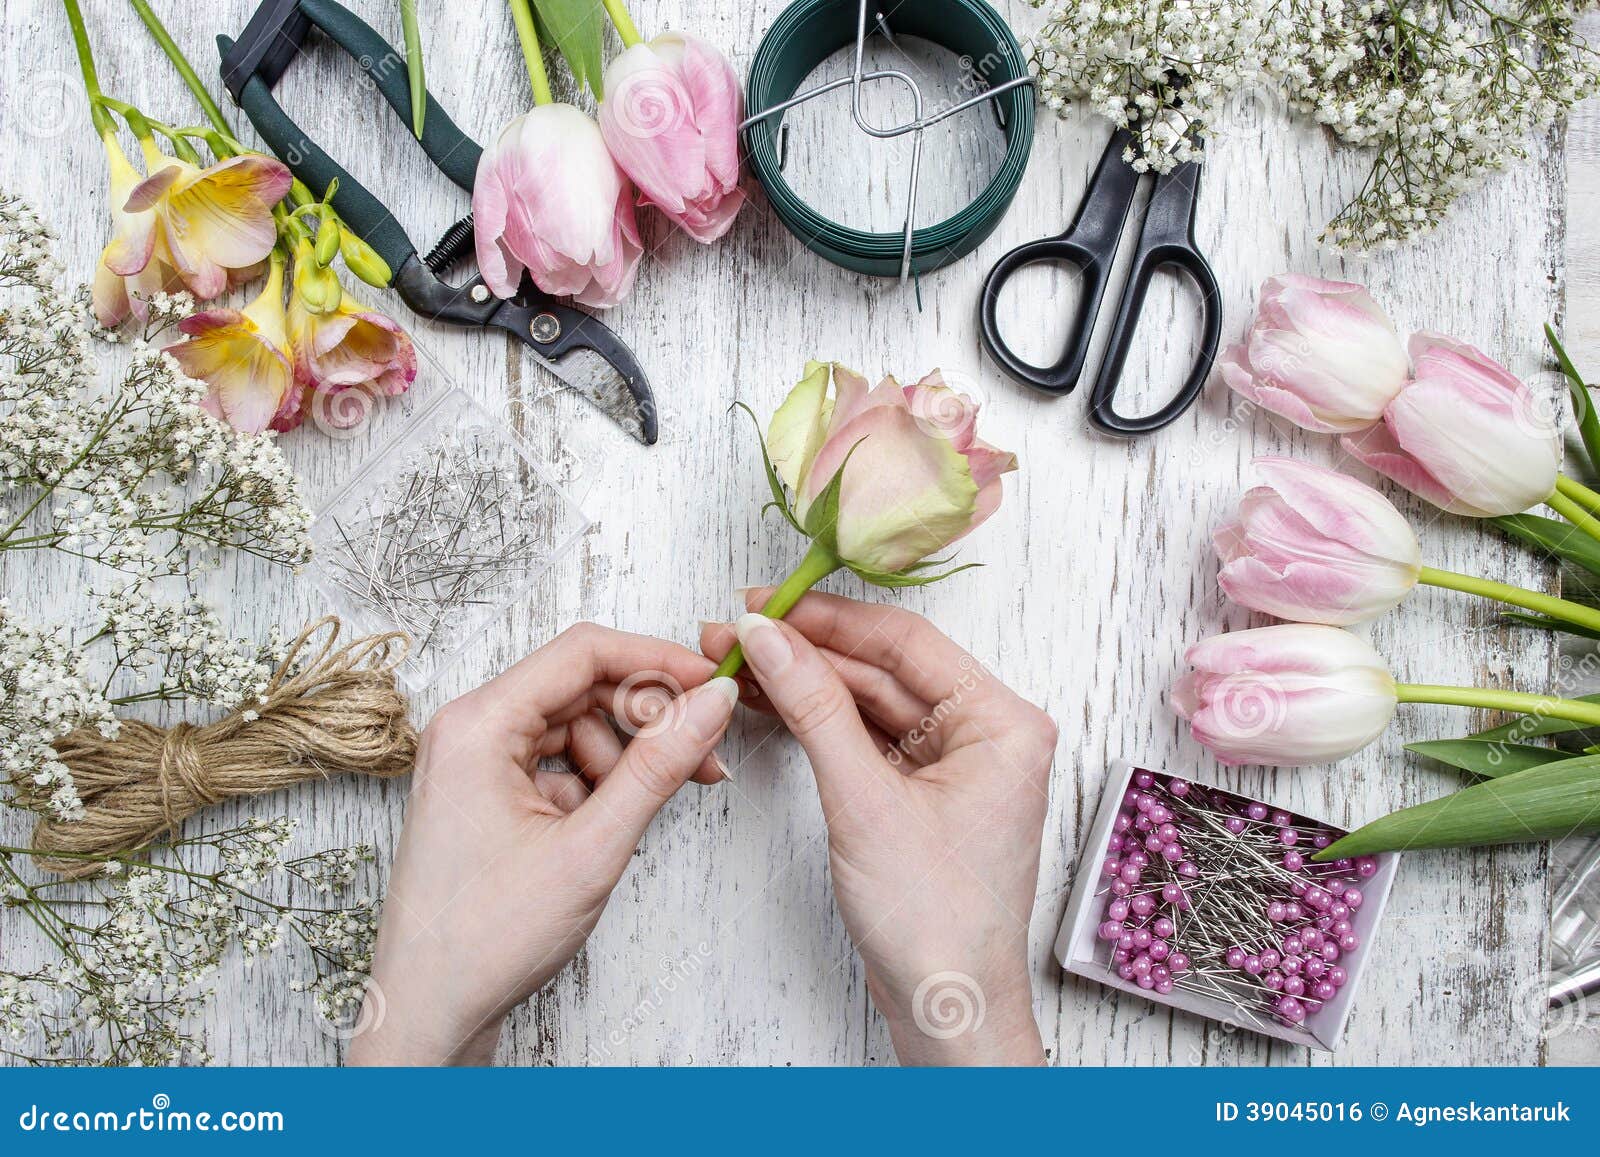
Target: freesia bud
[1466, 435]
[211, 221]
[316, 287]
[671, 120]
[1285, 695]
[1320, 353]
[351, 347]
[917, 479]
[1316, 546]
[327, 247]
[243, 356]
[550, 200]
[363, 260]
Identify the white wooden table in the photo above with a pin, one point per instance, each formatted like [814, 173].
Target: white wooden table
[723, 944]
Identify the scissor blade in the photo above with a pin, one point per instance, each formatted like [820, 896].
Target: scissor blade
[607, 389]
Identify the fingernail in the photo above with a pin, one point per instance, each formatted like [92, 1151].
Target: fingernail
[710, 707]
[764, 645]
[706, 624]
[721, 766]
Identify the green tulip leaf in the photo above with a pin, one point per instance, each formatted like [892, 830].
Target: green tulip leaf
[1561, 539]
[1490, 758]
[1542, 803]
[1582, 403]
[1545, 623]
[576, 28]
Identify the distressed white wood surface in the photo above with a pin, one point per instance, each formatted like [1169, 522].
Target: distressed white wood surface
[723, 944]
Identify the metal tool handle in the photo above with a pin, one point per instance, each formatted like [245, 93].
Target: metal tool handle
[1062, 376]
[1166, 241]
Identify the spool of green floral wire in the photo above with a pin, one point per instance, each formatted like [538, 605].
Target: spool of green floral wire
[810, 31]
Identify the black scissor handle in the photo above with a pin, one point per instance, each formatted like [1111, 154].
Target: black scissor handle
[1062, 376]
[1152, 258]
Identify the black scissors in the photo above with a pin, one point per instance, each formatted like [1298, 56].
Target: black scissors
[1166, 239]
[579, 350]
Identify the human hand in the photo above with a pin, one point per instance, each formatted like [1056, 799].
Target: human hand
[504, 866]
[934, 782]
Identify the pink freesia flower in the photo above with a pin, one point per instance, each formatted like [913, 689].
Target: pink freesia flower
[1316, 546]
[244, 356]
[1320, 353]
[129, 272]
[351, 346]
[1466, 435]
[918, 477]
[209, 222]
[549, 199]
[671, 119]
[1285, 695]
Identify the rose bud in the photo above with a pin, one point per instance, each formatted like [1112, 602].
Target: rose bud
[1320, 353]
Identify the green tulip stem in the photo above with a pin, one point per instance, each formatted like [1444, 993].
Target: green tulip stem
[103, 123]
[818, 564]
[1539, 706]
[164, 41]
[1573, 513]
[1563, 609]
[618, 11]
[1578, 492]
[532, 54]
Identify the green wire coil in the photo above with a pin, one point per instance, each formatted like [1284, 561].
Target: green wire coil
[805, 35]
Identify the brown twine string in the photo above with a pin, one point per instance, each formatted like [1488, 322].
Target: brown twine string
[340, 712]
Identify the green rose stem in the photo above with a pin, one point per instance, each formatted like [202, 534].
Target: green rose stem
[625, 26]
[532, 55]
[1521, 702]
[164, 40]
[1555, 608]
[818, 564]
[103, 123]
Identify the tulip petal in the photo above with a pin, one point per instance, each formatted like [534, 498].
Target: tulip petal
[1343, 509]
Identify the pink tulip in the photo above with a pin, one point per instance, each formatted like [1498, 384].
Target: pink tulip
[244, 357]
[1285, 695]
[208, 223]
[550, 200]
[1321, 353]
[1466, 434]
[671, 119]
[918, 477]
[350, 347]
[1316, 546]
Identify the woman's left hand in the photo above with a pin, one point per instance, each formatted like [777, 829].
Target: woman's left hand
[504, 866]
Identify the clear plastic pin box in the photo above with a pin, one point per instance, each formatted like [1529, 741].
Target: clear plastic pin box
[1082, 950]
[441, 531]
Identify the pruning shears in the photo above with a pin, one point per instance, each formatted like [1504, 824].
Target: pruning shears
[577, 348]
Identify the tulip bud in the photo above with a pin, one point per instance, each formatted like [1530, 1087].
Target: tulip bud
[1466, 435]
[1320, 353]
[315, 285]
[363, 260]
[1284, 696]
[1316, 546]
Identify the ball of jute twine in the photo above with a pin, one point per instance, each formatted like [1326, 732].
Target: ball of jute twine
[339, 712]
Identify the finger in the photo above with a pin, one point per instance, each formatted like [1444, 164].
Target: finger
[636, 710]
[654, 766]
[555, 675]
[594, 746]
[924, 659]
[562, 788]
[814, 704]
[879, 694]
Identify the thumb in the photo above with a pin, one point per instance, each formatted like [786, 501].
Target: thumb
[813, 703]
[659, 761]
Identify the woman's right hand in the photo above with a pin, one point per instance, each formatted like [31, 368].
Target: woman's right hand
[934, 780]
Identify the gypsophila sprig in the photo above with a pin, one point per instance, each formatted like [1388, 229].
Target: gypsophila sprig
[140, 943]
[130, 475]
[1440, 92]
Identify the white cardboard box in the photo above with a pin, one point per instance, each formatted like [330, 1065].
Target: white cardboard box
[1080, 951]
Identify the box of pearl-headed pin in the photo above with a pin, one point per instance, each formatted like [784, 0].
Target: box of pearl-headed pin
[1207, 901]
